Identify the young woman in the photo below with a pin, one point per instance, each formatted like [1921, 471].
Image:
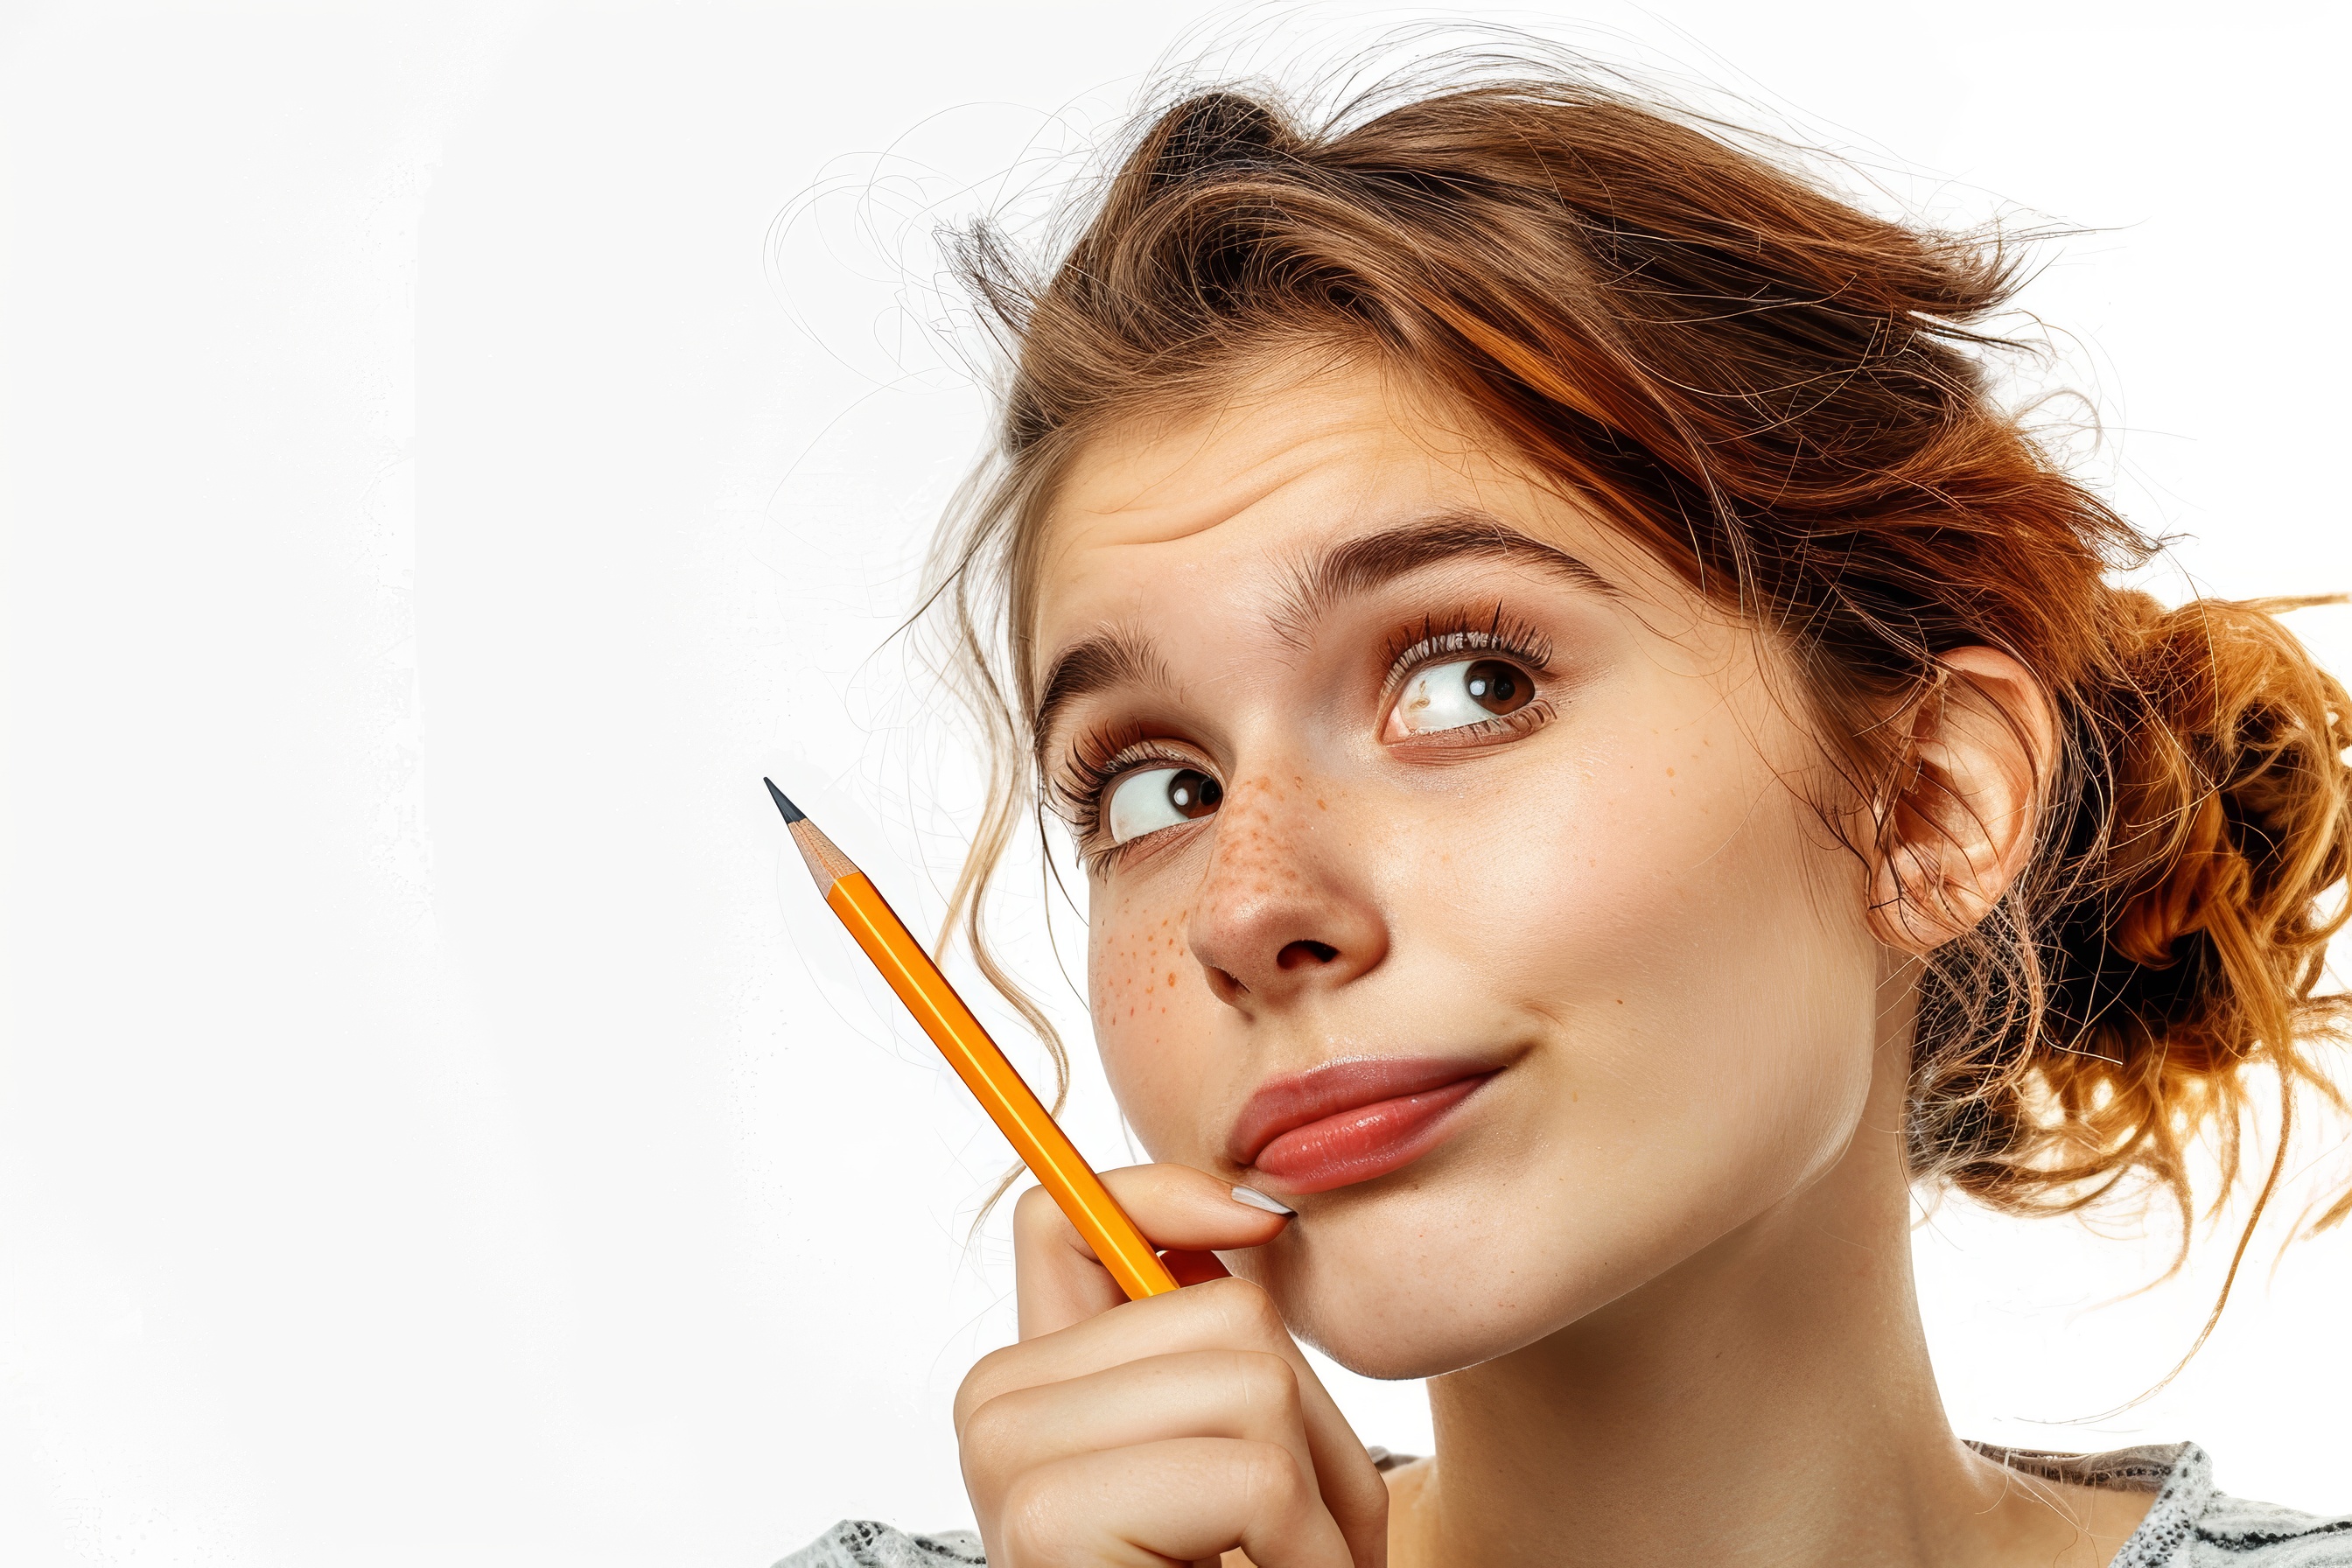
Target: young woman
[1604, 759]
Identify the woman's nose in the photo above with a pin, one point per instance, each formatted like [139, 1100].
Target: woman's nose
[1285, 910]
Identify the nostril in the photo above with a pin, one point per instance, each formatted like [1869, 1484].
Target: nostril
[1300, 952]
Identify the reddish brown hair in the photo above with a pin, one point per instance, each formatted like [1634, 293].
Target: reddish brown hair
[1784, 398]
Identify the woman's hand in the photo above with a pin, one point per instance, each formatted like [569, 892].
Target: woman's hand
[1164, 1431]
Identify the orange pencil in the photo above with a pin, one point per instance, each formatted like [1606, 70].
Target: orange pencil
[1009, 1102]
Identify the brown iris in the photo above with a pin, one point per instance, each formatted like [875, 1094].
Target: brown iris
[1193, 792]
[1497, 686]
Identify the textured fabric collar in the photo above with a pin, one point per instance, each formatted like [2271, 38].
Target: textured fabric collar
[2188, 1525]
[2179, 1474]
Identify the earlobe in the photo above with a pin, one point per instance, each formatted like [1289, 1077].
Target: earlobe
[1961, 820]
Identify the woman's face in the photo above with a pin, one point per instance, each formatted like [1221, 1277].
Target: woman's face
[1453, 877]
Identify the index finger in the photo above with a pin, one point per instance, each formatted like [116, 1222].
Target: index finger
[1059, 1281]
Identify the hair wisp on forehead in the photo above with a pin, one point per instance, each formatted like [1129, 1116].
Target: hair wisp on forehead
[1782, 398]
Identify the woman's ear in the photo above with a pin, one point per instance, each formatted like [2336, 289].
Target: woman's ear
[1966, 802]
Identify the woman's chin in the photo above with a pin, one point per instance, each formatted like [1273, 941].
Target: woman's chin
[1396, 1358]
[1411, 1335]
[1396, 1319]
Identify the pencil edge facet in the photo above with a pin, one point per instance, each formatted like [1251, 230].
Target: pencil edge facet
[826, 864]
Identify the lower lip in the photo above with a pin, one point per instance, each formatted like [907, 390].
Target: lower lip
[1365, 1142]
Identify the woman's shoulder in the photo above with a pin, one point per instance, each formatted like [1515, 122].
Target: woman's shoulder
[2189, 1524]
[862, 1543]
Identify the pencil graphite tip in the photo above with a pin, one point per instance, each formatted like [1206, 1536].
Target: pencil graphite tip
[784, 802]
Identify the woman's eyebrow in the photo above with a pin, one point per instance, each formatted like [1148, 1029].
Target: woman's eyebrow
[1115, 657]
[1120, 657]
[1374, 559]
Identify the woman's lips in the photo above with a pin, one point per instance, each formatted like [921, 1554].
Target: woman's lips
[1348, 1121]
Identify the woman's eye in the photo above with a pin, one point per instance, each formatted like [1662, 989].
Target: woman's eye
[1450, 696]
[1162, 797]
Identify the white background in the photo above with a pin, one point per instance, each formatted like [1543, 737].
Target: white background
[437, 1124]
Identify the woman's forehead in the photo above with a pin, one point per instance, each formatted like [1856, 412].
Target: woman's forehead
[1149, 518]
[1154, 483]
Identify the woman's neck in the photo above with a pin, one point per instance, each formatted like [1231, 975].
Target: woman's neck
[1768, 1402]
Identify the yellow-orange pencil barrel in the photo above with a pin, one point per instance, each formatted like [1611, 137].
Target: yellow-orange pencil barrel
[1009, 1102]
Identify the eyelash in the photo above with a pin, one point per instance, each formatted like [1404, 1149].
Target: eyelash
[1098, 758]
[1464, 633]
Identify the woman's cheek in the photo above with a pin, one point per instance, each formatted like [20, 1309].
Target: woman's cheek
[1146, 993]
[1707, 908]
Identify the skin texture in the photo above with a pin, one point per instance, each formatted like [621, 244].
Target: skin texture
[1657, 1267]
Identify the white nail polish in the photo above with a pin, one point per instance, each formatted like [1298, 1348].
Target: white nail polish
[1258, 1200]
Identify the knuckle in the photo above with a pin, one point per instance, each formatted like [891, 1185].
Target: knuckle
[1246, 1309]
[1268, 1381]
[981, 1384]
[1270, 1477]
[990, 1433]
[1032, 1526]
[1033, 1213]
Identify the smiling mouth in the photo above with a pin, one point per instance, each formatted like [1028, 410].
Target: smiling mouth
[1348, 1121]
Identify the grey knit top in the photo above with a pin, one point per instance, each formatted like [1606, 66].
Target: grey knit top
[2189, 1525]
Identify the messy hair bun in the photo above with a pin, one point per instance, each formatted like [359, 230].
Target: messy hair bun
[1784, 398]
[2174, 929]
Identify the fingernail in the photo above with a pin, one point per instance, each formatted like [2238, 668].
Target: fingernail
[1258, 1200]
